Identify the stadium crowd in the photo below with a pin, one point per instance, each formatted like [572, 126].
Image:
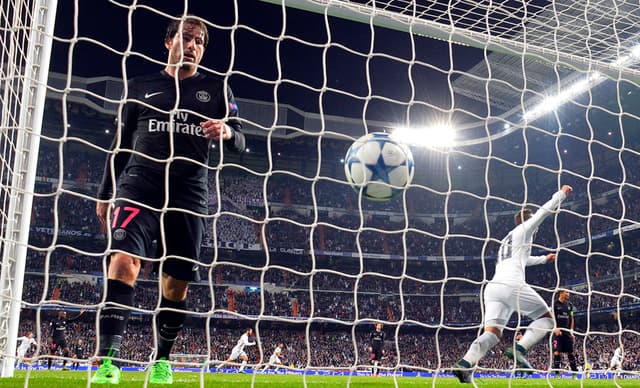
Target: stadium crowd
[304, 226]
[413, 348]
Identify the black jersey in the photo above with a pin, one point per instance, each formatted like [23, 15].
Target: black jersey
[377, 339]
[78, 350]
[59, 328]
[158, 125]
[563, 313]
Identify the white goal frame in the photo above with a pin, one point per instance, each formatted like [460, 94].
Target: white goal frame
[24, 84]
[405, 22]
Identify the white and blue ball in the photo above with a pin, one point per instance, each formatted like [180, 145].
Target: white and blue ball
[379, 166]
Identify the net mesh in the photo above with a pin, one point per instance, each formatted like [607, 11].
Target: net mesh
[540, 94]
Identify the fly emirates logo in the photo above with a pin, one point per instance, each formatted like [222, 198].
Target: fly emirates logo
[179, 125]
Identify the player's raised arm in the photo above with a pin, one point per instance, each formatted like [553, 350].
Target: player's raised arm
[532, 223]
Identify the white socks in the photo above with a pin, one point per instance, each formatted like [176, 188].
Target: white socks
[480, 347]
[536, 331]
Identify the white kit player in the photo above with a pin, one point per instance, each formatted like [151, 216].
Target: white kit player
[616, 360]
[23, 348]
[276, 357]
[508, 292]
[238, 351]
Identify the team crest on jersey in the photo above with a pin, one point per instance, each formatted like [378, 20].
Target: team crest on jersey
[203, 96]
[119, 234]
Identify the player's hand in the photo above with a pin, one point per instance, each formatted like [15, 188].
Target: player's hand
[566, 189]
[557, 331]
[101, 211]
[216, 129]
[551, 257]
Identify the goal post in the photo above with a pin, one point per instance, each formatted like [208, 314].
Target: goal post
[26, 50]
[416, 18]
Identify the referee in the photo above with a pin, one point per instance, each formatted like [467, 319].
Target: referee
[563, 337]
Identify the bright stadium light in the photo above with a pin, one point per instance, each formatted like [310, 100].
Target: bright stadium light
[438, 136]
[551, 103]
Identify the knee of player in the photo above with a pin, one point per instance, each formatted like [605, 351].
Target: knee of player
[123, 267]
[494, 330]
[174, 289]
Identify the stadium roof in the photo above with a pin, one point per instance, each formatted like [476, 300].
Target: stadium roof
[602, 31]
[533, 48]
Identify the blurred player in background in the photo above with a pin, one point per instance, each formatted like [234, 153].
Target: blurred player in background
[376, 347]
[508, 292]
[587, 369]
[203, 110]
[238, 351]
[59, 333]
[78, 353]
[276, 357]
[616, 361]
[23, 348]
[563, 337]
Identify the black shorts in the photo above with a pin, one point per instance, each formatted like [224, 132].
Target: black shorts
[376, 354]
[58, 344]
[134, 229]
[563, 343]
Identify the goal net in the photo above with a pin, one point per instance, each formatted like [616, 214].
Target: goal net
[502, 103]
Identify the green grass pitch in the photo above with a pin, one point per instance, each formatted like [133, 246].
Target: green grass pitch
[64, 379]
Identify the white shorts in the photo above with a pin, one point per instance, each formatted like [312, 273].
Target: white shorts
[502, 300]
[235, 354]
[615, 364]
[274, 360]
[21, 353]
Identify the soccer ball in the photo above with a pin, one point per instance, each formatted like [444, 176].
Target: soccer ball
[378, 165]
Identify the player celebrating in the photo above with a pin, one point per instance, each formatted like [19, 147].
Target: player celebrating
[376, 347]
[616, 360]
[508, 292]
[59, 345]
[159, 160]
[23, 348]
[563, 337]
[276, 357]
[238, 350]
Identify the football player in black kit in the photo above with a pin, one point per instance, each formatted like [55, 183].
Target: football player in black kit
[563, 337]
[78, 353]
[159, 160]
[376, 348]
[59, 331]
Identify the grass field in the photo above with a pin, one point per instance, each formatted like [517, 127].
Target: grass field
[59, 379]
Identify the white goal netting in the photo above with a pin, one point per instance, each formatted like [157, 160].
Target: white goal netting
[536, 95]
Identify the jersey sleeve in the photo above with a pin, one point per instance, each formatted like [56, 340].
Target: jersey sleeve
[536, 260]
[123, 140]
[237, 142]
[532, 223]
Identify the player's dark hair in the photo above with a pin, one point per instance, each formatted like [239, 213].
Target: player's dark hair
[175, 26]
[522, 216]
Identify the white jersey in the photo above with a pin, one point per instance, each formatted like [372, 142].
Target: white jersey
[515, 249]
[275, 357]
[25, 344]
[242, 342]
[618, 355]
